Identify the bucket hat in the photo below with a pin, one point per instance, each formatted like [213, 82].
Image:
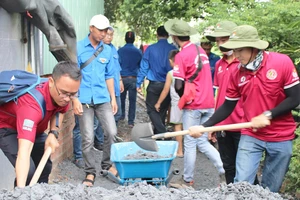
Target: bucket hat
[179, 28]
[244, 36]
[222, 29]
[100, 22]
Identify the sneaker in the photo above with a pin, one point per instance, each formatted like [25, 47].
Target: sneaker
[98, 146]
[130, 125]
[79, 163]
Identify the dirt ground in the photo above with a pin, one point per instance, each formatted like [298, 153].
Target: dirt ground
[206, 176]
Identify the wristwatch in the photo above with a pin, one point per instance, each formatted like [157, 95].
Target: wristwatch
[54, 132]
[268, 114]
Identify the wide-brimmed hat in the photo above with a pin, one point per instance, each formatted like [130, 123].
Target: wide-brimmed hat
[179, 28]
[100, 22]
[222, 29]
[244, 36]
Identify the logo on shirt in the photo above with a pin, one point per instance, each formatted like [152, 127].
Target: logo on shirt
[271, 74]
[295, 74]
[243, 81]
[220, 69]
[243, 78]
[176, 68]
[102, 60]
[28, 125]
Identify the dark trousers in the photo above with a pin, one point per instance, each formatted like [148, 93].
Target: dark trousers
[157, 118]
[9, 146]
[228, 145]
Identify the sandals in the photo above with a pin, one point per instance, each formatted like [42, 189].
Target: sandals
[87, 180]
[114, 171]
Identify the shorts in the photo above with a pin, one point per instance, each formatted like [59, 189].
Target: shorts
[175, 115]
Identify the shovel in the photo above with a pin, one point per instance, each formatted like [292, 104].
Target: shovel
[40, 167]
[142, 134]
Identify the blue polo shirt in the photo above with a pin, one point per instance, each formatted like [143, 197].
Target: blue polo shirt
[155, 63]
[213, 58]
[117, 69]
[130, 58]
[93, 84]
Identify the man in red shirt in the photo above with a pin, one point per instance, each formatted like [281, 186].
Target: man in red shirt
[22, 126]
[202, 107]
[268, 85]
[227, 140]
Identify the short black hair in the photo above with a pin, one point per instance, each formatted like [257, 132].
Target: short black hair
[66, 68]
[129, 37]
[173, 53]
[183, 38]
[206, 43]
[161, 31]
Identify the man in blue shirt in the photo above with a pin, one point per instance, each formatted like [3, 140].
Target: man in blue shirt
[155, 66]
[119, 87]
[130, 58]
[96, 96]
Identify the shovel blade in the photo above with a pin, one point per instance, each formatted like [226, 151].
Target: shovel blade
[141, 134]
[7, 173]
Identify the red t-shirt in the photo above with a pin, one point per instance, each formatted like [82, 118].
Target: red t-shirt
[264, 90]
[25, 115]
[186, 63]
[223, 71]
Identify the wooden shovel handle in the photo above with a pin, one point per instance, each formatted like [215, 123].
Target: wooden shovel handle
[204, 129]
[41, 166]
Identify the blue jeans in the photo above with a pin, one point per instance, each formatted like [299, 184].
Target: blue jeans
[195, 118]
[277, 160]
[99, 131]
[130, 86]
[77, 150]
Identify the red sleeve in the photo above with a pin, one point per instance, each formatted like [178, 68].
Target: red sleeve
[28, 117]
[290, 77]
[232, 92]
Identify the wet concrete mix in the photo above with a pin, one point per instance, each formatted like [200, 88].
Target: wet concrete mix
[142, 155]
[138, 191]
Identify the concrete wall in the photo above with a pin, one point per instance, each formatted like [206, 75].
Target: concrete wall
[12, 50]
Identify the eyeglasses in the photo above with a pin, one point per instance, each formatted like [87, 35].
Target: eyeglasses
[64, 94]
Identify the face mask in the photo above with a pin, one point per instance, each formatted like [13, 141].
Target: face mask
[254, 65]
[228, 53]
[175, 43]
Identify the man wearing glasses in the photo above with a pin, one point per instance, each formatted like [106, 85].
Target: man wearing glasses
[22, 125]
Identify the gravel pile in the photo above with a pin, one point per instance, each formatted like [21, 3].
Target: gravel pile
[142, 155]
[138, 191]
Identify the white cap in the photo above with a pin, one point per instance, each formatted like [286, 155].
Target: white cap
[100, 22]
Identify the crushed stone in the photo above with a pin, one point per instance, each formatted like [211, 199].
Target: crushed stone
[142, 155]
[139, 191]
